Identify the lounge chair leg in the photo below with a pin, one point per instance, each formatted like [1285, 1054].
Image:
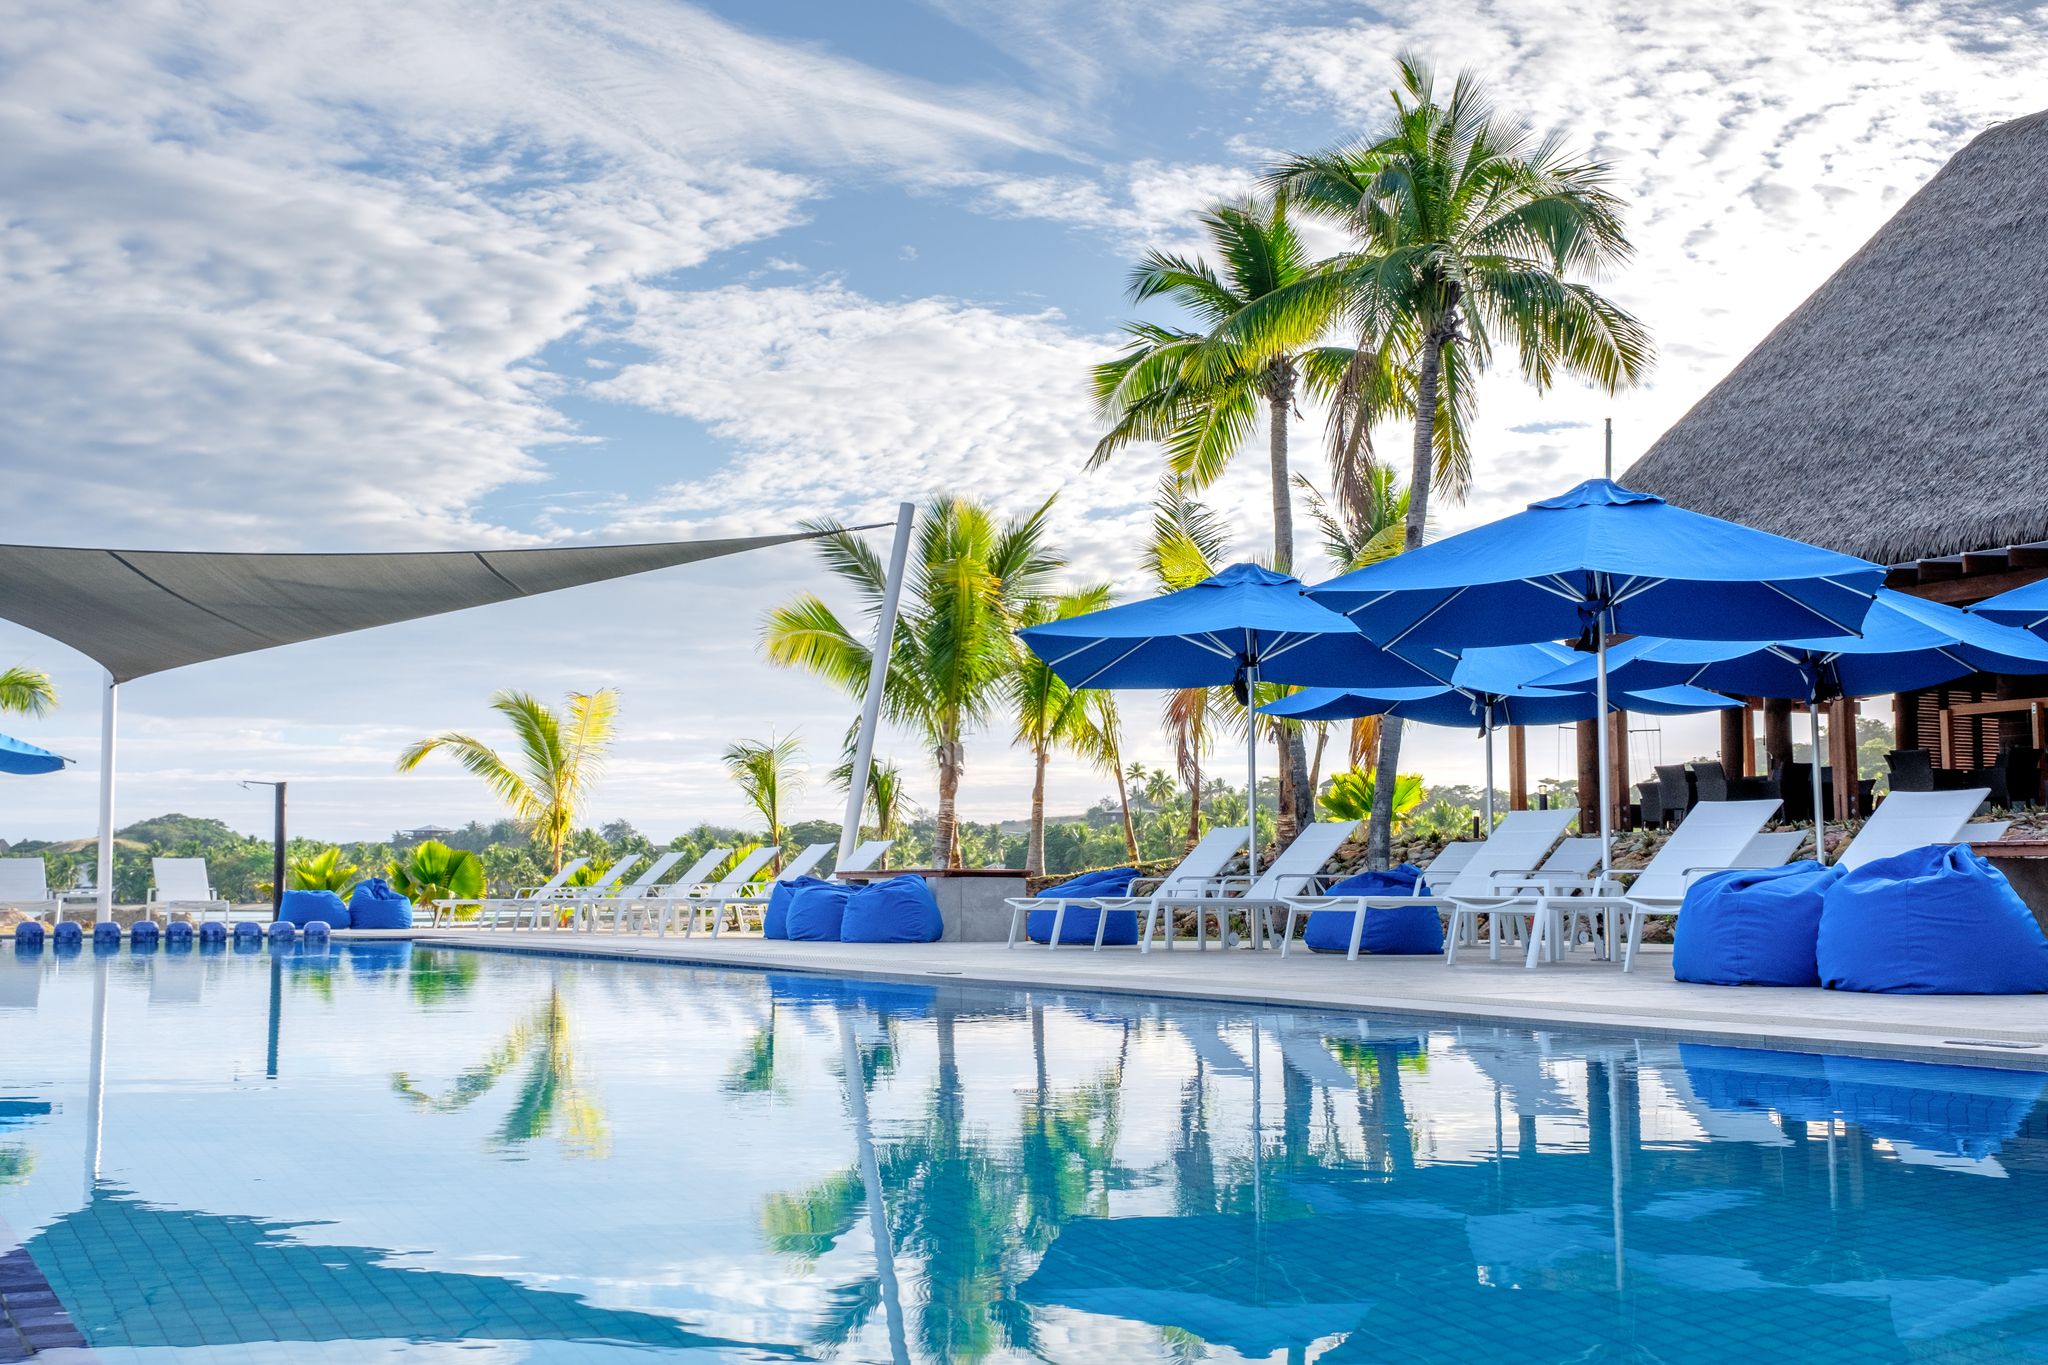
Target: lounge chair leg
[1357, 933]
[1635, 939]
[1101, 926]
[1492, 935]
[1539, 935]
[1145, 939]
[1059, 920]
[1453, 937]
[1016, 915]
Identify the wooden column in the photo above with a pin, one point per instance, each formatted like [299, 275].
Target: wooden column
[1778, 736]
[1589, 778]
[1735, 741]
[1617, 768]
[1518, 768]
[1842, 755]
[1905, 718]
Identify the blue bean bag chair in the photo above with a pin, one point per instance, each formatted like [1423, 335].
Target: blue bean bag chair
[1932, 921]
[1411, 930]
[1757, 927]
[303, 907]
[815, 912]
[896, 910]
[775, 919]
[374, 905]
[1079, 925]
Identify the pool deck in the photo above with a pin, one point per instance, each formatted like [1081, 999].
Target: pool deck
[1580, 993]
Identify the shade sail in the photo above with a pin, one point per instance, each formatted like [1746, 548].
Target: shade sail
[138, 612]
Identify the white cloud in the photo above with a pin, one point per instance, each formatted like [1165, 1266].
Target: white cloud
[264, 257]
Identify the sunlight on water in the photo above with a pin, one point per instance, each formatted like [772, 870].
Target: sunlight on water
[372, 1152]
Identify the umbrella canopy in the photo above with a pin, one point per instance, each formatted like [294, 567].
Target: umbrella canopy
[1243, 621]
[1907, 643]
[1454, 706]
[20, 757]
[2026, 608]
[1603, 554]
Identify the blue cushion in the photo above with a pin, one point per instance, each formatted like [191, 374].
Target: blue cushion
[1409, 930]
[898, 910]
[815, 911]
[1079, 925]
[775, 920]
[303, 907]
[374, 905]
[1756, 927]
[1933, 921]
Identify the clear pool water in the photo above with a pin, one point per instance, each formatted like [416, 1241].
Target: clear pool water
[386, 1153]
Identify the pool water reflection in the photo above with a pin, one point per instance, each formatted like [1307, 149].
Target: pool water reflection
[256, 1156]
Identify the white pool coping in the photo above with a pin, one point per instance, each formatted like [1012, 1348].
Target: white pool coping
[1579, 993]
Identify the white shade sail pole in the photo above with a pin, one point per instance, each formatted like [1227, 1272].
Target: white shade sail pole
[1820, 815]
[878, 677]
[105, 872]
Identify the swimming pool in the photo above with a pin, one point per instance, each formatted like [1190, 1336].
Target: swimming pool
[383, 1152]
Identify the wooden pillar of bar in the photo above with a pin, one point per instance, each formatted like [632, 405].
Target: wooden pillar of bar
[1842, 755]
[1735, 741]
[1778, 736]
[1518, 768]
[1617, 768]
[1589, 778]
[1905, 720]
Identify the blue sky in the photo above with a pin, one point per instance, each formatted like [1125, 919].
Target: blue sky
[433, 274]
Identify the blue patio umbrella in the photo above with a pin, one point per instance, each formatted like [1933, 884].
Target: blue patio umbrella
[2025, 607]
[1238, 628]
[18, 756]
[1595, 561]
[1907, 643]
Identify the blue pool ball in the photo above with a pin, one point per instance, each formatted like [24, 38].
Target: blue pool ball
[28, 937]
[105, 932]
[246, 929]
[68, 935]
[281, 932]
[213, 931]
[318, 928]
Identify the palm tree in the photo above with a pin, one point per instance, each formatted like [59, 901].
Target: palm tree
[765, 773]
[887, 804]
[26, 691]
[1467, 229]
[1102, 740]
[954, 647]
[560, 758]
[431, 871]
[1187, 540]
[1049, 714]
[1365, 527]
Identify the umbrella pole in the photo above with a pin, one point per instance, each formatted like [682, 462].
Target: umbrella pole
[1251, 768]
[1600, 747]
[1820, 816]
[1486, 801]
[104, 871]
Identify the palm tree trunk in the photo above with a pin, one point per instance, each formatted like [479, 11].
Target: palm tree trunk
[1034, 848]
[1429, 373]
[1294, 754]
[1194, 801]
[1123, 797]
[945, 835]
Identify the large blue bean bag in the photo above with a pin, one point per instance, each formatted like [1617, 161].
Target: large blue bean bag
[896, 910]
[303, 907]
[775, 919]
[1079, 925]
[1932, 921]
[815, 912]
[1756, 927]
[1410, 930]
[374, 905]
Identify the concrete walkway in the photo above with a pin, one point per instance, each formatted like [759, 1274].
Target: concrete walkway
[1645, 1003]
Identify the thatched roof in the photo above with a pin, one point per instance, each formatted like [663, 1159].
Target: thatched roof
[1901, 412]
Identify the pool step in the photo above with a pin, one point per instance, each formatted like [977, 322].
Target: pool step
[31, 1319]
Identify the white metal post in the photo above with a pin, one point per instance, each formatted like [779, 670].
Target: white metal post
[1251, 768]
[878, 677]
[1486, 801]
[1820, 815]
[1600, 747]
[105, 872]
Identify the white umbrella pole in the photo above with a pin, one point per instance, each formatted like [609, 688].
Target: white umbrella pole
[1820, 816]
[1251, 767]
[1600, 748]
[1486, 801]
[105, 871]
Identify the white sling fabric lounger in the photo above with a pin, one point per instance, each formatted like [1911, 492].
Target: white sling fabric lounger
[1201, 865]
[733, 885]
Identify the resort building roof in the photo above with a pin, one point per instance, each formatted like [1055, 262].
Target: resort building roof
[1898, 414]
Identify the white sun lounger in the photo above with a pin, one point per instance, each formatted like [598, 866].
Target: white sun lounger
[1201, 865]
[1714, 836]
[25, 886]
[524, 902]
[865, 857]
[590, 906]
[1773, 848]
[1496, 875]
[1294, 871]
[735, 884]
[755, 897]
[1904, 821]
[656, 886]
[182, 884]
[1451, 859]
